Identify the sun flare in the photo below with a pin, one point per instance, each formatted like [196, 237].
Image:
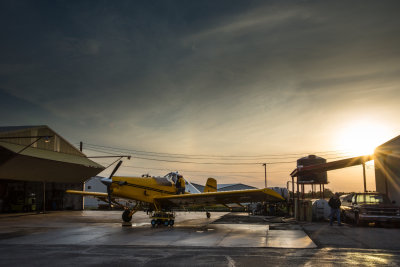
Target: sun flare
[362, 137]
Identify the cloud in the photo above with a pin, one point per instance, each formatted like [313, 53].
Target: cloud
[210, 76]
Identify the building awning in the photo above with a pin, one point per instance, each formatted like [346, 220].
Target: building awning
[333, 165]
[34, 164]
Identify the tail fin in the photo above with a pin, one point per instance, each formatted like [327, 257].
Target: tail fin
[211, 185]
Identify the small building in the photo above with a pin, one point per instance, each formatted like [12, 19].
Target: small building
[387, 169]
[38, 165]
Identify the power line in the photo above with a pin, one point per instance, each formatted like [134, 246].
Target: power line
[193, 162]
[222, 157]
[166, 169]
[213, 163]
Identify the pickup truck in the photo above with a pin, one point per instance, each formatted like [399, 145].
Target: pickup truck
[362, 208]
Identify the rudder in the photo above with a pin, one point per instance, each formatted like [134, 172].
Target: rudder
[211, 185]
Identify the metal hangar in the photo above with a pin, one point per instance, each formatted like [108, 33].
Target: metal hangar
[37, 165]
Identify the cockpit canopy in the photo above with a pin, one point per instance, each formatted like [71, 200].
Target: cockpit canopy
[172, 177]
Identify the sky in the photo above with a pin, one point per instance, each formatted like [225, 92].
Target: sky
[242, 82]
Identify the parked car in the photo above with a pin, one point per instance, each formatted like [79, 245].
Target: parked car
[369, 207]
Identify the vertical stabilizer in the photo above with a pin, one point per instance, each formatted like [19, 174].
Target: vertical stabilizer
[211, 185]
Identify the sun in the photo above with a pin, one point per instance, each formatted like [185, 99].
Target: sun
[362, 137]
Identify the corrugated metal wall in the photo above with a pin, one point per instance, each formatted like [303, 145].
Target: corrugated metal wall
[56, 143]
[387, 169]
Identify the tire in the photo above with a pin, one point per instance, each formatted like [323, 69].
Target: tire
[126, 217]
[357, 221]
[208, 215]
[344, 218]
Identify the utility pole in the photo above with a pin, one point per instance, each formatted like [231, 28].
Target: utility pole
[365, 178]
[83, 184]
[265, 172]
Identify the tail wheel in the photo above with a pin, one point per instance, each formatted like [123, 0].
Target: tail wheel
[126, 216]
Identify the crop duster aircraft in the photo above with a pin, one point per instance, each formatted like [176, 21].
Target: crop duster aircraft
[158, 195]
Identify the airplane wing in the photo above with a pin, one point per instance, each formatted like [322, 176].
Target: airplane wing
[226, 197]
[99, 195]
[85, 193]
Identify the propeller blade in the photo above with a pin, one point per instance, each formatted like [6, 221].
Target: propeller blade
[109, 196]
[108, 182]
[115, 169]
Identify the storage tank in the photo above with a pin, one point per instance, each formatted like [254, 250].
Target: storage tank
[312, 178]
[320, 209]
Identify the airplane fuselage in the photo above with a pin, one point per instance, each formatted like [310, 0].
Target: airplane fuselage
[141, 189]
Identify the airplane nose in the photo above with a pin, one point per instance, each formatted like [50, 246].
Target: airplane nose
[106, 181]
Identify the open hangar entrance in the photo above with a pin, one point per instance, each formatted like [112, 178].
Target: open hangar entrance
[37, 165]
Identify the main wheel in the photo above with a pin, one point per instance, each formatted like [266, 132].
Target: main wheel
[126, 216]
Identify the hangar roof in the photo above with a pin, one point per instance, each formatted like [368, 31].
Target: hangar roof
[21, 158]
[25, 135]
[226, 187]
[393, 143]
[230, 187]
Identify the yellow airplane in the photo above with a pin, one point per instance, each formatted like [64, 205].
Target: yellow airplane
[158, 195]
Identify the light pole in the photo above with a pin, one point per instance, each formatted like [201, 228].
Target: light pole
[265, 173]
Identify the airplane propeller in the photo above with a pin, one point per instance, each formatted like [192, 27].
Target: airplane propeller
[108, 182]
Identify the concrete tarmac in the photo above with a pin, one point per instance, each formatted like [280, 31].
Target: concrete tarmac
[98, 238]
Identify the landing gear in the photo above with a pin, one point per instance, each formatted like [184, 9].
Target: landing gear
[126, 216]
[208, 215]
[159, 218]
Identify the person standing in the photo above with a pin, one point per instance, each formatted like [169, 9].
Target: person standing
[334, 203]
[183, 184]
[180, 185]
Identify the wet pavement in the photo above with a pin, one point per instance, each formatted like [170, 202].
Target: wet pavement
[349, 236]
[190, 230]
[236, 239]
